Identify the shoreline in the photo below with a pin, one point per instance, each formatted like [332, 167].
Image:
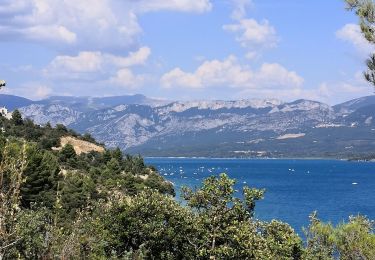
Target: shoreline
[234, 158]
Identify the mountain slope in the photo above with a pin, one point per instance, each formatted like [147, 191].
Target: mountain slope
[352, 105]
[13, 102]
[217, 128]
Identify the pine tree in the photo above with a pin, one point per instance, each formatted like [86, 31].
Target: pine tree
[365, 10]
[17, 117]
[41, 175]
[67, 152]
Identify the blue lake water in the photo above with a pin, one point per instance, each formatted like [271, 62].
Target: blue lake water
[294, 188]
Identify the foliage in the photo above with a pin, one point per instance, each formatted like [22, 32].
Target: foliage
[222, 219]
[151, 225]
[12, 165]
[365, 10]
[46, 191]
[41, 177]
[352, 240]
[17, 117]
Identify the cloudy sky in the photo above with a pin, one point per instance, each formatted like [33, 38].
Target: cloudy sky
[183, 49]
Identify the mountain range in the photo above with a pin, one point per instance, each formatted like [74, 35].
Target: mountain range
[241, 128]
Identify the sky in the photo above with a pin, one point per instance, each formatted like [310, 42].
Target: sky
[183, 49]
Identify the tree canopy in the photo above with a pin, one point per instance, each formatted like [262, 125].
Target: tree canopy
[365, 10]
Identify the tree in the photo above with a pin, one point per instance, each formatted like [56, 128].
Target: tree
[227, 230]
[12, 164]
[365, 10]
[87, 137]
[75, 191]
[117, 154]
[17, 117]
[149, 224]
[67, 153]
[41, 176]
[352, 240]
[61, 128]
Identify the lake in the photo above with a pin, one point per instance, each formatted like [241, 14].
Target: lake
[294, 188]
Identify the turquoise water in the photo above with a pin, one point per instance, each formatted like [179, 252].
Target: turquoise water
[294, 188]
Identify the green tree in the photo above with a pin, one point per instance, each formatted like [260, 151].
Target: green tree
[17, 117]
[75, 192]
[61, 128]
[12, 164]
[117, 154]
[41, 176]
[114, 167]
[352, 240]
[222, 219]
[36, 233]
[87, 137]
[149, 224]
[365, 10]
[67, 153]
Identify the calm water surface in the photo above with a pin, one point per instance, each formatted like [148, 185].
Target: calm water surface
[294, 188]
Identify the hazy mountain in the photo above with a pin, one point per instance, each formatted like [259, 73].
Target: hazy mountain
[95, 103]
[12, 102]
[272, 128]
[352, 105]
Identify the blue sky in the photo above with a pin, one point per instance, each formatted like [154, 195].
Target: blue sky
[183, 49]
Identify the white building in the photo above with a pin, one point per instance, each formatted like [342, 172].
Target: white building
[2, 83]
[4, 112]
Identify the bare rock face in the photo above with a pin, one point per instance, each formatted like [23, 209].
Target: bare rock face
[80, 146]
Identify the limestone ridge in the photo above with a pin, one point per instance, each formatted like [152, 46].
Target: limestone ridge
[223, 128]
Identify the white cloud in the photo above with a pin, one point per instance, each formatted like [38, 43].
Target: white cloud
[32, 90]
[276, 75]
[93, 65]
[341, 91]
[127, 79]
[254, 36]
[178, 77]
[135, 58]
[337, 92]
[94, 24]
[197, 6]
[42, 91]
[50, 33]
[85, 24]
[352, 33]
[84, 62]
[240, 8]
[230, 73]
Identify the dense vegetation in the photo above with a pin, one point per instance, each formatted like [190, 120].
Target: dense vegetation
[60, 205]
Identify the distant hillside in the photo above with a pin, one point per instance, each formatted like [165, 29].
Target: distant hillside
[13, 102]
[352, 105]
[95, 103]
[241, 128]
